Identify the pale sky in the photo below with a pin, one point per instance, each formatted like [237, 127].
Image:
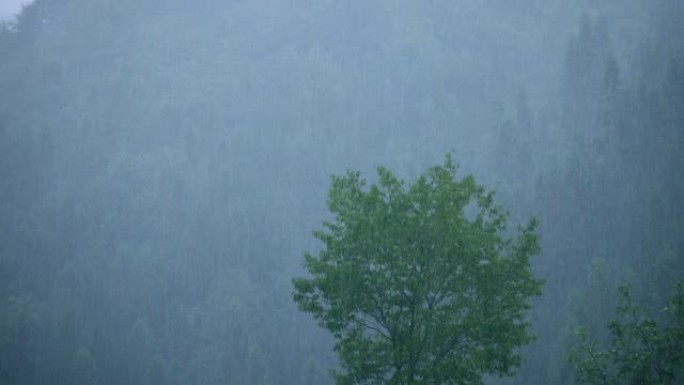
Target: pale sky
[8, 8]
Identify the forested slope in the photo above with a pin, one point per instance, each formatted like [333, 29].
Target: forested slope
[162, 165]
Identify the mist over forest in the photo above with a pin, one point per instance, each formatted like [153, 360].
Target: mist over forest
[163, 164]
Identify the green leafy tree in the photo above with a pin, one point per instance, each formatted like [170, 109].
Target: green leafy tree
[640, 352]
[420, 283]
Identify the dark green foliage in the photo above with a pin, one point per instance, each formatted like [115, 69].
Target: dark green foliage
[419, 283]
[644, 349]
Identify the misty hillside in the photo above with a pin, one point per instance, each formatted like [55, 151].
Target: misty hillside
[163, 163]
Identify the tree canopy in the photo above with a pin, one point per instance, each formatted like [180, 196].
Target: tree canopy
[643, 349]
[420, 283]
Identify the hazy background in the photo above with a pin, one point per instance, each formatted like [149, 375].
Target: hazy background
[163, 163]
[9, 8]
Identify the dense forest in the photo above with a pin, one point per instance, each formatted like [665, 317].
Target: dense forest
[163, 163]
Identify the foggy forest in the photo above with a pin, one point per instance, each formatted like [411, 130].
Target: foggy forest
[163, 164]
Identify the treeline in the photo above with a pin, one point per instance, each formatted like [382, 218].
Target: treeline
[611, 198]
[161, 166]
